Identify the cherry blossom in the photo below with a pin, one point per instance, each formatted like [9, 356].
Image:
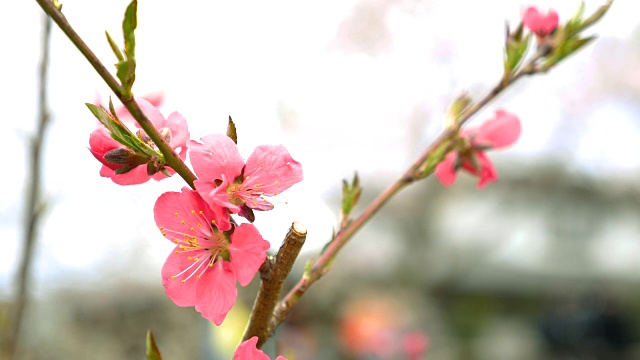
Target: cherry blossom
[122, 165]
[496, 133]
[224, 180]
[203, 268]
[539, 23]
[248, 351]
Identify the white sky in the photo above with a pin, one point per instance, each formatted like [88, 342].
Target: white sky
[252, 60]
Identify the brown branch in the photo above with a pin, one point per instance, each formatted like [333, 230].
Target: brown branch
[128, 101]
[34, 205]
[273, 275]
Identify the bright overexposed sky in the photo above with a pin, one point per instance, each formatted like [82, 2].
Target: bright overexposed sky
[288, 72]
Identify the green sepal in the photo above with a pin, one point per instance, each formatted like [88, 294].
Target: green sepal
[231, 131]
[114, 48]
[435, 158]
[350, 195]
[152, 351]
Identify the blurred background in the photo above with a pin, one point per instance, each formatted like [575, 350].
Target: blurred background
[542, 264]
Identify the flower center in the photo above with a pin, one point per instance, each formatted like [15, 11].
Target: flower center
[164, 132]
[197, 235]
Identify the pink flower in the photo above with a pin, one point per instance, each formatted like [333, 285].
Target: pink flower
[499, 132]
[538, 23]
[415, 344]
[248, 351]
[122, 165]
[203, 268]
[224, 180]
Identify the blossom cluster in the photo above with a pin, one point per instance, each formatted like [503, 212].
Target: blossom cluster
[212, 251]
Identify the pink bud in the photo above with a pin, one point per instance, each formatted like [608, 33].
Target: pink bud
[538, 23]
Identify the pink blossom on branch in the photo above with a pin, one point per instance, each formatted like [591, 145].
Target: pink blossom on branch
[248, 351]
[203, 268]
[539, 23]
[105, 148]
[224, 180]
[501, 131]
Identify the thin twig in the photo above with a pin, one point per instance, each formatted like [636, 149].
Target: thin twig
[128, 101]
[323, 263]
[34, 205]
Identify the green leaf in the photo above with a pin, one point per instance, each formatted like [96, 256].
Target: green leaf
[350, 195]
[597, 15]
[114, 48]
[121, 133]
[126, 68]
[231, 131]
[129, 25]
[153, 353]
[566, 48]
[515, 48]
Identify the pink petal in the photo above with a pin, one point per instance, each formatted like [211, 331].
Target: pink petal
[445, 170]
[541, 24]
[216, 156]
[134, 177]
[271, 170]
[248, 250]
[155, 99]
[182, 294]
[179, 133]
[183, 214]
[258, 203]
[248, 351]
[217, 201]
[153, 114]
[487, 172]
[216, 292]
[160, 175]
[101, 142]
[500, 131]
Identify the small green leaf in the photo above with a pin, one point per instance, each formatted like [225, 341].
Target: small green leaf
[153, 353]
[350, 195]
[114, 48]
[126, 68]
[597, 15]
[121, 133]
[308, 266]
[231, 131]
[566, 48]
[457, 108]
[129, 25]
[112, 109]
